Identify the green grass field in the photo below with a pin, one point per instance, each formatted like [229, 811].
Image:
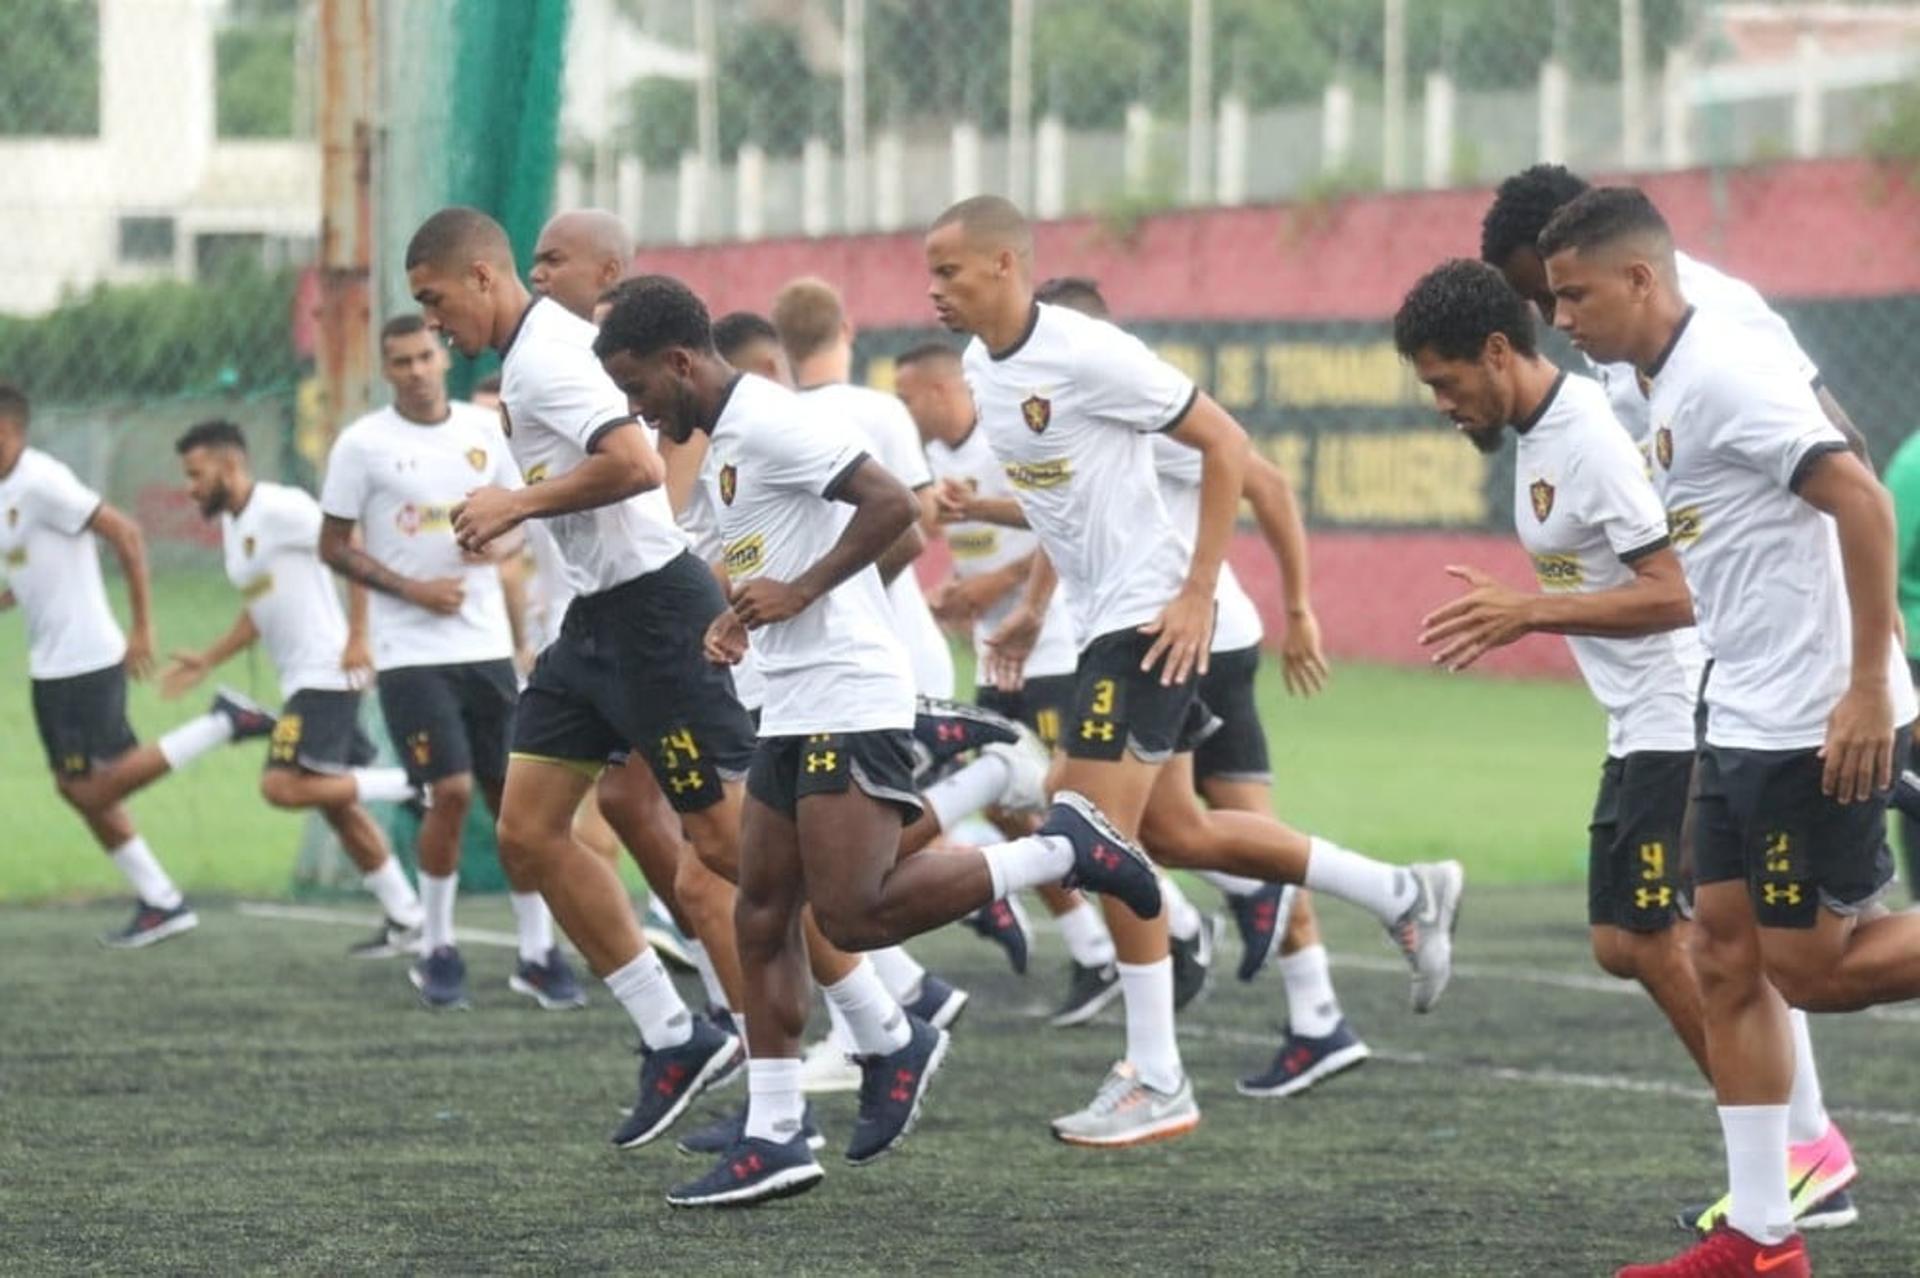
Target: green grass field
[1406, 764]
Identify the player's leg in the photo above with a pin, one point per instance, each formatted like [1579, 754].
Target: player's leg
[232, 718]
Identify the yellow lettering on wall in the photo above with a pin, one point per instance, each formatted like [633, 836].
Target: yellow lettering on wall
[1236, 375]
[1398, 477]
[1292, 452]
[1348, 374]
[1187, 357]
[880, 373]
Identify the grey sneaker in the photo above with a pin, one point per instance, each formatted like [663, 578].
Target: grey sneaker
[1425, 932]
[1125, 1111]
[1089, 990]
[389, 940]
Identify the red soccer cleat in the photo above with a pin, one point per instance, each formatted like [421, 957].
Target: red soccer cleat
[1728, 1253]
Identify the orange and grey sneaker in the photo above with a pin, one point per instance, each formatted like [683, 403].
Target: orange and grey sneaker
[1818, 1173]
[1728, 1253]
[1424, 934]
[1127, 1111]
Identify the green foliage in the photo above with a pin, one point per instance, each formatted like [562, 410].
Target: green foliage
[50, 68]
[768, 97]
[228, 334]
[1895, 139]
[253, 95]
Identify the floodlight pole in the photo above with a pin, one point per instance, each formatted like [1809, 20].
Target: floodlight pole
[343, 350]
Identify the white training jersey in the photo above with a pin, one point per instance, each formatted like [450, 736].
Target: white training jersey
[49, 561]
[701, 522]
[1069, 410]
[1585, 511]
[1236, 623]
[400, 480]
[982, 548]
[272, 555]
[548, 594]
[555, 404]
[894, 441]
[1735, 302]
[838, 666]
[1734, 427]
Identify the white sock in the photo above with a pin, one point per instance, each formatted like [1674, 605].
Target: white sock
[774, 1103]
[1085, 931]
[839, 1033]
[381, 785]
[396, 896]
[1312, 1009]
[1231, 884]
[150, 882]
[534, 924]
[1030, 862]
[646, 991]
[874, 1019]
[972, 788]
[1756, 1138]
[194, 738]
[1806, 1111]
[436, 897]
[1385, 891]
[1183, 921]
[898, 971]
[1147, 990]
[709, 979]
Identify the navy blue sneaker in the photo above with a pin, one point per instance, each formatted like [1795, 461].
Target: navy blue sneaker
[943, 730]
[892, 1089]
[1089, 990]
[1005, 923]
[1103, 861]
[1302, 1062]
[551, 984]
[938, 1003]
[1262, 919]
[753, 1171]
[249, 719]
[673, 1078]
[150, 925]
[725, 1132]
[441, 978]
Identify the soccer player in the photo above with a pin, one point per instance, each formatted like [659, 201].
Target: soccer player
[78, 661]
[1230, 768]
[805, 513]
[442, 643]
[750, 343]
[1787, 542]
[1067, 402]
[318, 757]
[625, 671]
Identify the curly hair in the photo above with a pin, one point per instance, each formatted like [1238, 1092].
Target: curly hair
[651, 313]
[1456, 307]
[1523, 206]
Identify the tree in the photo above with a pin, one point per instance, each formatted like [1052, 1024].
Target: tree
[50, 68]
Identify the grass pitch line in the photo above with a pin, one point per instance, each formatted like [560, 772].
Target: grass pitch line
[353, 918]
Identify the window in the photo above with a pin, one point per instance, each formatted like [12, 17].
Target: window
[146, 239]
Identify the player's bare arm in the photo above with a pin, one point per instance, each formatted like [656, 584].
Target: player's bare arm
[112, 526]
[1184, 629]
[1844, 424]
[622, 464]
[905, 549]
[683, 460]
[1492, 615]
[1270, 493]
[7, 600]
[958, 503]
[186, 669]
[1859, 746]
[963, 599]
[1014, 642]
[443, 595]
[357, 657]
[883, 510]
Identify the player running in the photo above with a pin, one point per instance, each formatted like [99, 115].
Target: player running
[318, 757]
[1787, 544]
[1067, 403]
[78, 661]
[442, 642]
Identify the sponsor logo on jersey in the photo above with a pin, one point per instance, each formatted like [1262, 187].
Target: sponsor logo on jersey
[975, 544]
[1037, 412]
[746, 556]
[1046, 474]
[258, 587]
[1541, 492]
[1683, 525]
[729, 482]
[1558, 572]
[477, 458]
[17, 557]
[413, 520]
[1663, 447]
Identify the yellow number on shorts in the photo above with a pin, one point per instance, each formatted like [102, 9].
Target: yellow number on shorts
[1653, 860]
[1048, 723]
[1779, 853]
[1102, 697]
[673, 744]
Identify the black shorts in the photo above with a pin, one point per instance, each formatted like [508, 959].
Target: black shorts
[627, 672]
[1759, 815]
[788, 769]
[319, 731]
[1041, 703]
[1635, 878]
[446, 720]
[83, 720]
[1120, 709]
[1237, 751]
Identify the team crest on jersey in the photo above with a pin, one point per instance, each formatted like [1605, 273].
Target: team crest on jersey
[1037, 412]
[1542, 494]
[536, 472]
[506, 420]
[1663, 447]
[477, 458]
[729, 482]
[247, 545]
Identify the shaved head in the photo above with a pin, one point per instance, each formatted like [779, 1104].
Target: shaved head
[991, 222]
[457, 236]
[581, 254]
[593, 231]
